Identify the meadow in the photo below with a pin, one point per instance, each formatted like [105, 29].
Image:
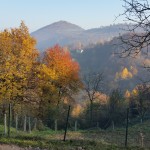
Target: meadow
[94, 139]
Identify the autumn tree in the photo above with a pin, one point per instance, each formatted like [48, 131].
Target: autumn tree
[18, 57]
[58, 81]
[61, 72]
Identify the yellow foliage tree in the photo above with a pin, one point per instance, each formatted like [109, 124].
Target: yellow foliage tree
[134, 92]
[124, 74]
[17, 58]
[127, 94]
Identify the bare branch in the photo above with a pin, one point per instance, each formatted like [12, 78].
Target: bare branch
[138, 13]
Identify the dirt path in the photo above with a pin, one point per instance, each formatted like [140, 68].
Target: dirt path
[10, 147]
[14, 147]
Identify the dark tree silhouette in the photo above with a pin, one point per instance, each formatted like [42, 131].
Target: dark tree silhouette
[141, 100]
[92, 84]
[137, 12]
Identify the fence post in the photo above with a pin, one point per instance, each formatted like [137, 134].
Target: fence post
[66, 124]
[126, 137]
[29, 125]
[35, 124]
[25, 124]
[76, 125]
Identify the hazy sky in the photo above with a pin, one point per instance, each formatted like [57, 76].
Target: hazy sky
[38, 13]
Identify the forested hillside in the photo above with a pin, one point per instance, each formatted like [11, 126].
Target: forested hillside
[124, 73]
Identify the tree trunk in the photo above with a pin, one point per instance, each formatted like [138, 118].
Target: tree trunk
[113, 125]
[9, 120]
[10, 114]
[97, 124]
[55, 124]
[91, 113]
[66, 127]
[16, 122]
[5, 124]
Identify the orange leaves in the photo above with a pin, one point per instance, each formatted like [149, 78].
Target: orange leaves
[60, 65]
[59, 75]
[76, 110]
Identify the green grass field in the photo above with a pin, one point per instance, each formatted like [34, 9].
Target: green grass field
[86, 140]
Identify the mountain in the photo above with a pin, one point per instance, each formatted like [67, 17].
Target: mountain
[68, 34]
[60, 32]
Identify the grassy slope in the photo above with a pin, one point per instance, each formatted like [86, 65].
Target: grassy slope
[89, 140]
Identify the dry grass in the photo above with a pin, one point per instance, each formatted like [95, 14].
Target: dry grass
[90, 140]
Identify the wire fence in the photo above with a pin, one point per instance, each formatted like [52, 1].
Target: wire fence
[130, 133]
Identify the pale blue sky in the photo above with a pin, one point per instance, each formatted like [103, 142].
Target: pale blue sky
[38, 13]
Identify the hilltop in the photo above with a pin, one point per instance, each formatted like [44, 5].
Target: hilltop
[68, 34]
